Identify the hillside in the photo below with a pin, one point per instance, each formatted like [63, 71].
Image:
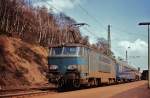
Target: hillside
[21, 64]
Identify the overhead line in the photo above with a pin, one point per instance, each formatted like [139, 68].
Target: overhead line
[90, 32]
[90, 15]
[96, 20]
[125, 31]
[46, 2]
[60, 11]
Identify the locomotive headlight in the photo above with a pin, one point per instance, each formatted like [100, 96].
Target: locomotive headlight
[72, 67]
[53, 67]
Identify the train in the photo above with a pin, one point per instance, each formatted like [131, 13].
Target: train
[76, 65]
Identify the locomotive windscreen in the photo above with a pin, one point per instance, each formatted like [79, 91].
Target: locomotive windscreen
[70, 50]
[56, 51]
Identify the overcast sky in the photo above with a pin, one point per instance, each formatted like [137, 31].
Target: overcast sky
[122, 15]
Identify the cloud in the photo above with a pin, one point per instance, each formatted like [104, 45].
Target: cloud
[137, 53]
[57, 5]
[138, 45]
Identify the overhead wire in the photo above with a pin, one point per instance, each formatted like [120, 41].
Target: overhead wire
[46, 2]
[85, 28]
[90, 32]
[92, 17]
[128, 32]
[97, 21]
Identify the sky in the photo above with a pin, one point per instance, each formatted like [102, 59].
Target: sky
[122, 15]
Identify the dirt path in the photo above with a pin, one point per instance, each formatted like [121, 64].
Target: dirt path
[128, 90]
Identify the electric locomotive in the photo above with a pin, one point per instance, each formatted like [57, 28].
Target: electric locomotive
[77, 64]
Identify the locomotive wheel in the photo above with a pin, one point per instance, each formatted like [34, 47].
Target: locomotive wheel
[96, 82]
[61, 83]
[91, 82]
[99, 82]
[76, 83]
[109, 81]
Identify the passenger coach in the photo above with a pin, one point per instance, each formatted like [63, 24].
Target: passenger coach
[126, 73]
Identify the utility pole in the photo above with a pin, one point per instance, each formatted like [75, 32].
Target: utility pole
[109, 38]
[127, 54]
[109, 41]
[147, 24]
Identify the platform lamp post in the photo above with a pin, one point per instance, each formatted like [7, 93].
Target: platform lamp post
[147, 24]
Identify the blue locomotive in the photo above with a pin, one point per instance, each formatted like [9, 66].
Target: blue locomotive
[77, 64]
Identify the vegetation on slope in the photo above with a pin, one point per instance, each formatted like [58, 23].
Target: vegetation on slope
[21, 64]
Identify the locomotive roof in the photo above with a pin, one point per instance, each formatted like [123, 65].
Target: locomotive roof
[78, 45]
[69, 44]
[75, 45]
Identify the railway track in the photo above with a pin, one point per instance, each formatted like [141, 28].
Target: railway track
[26, 92]
[24, 95]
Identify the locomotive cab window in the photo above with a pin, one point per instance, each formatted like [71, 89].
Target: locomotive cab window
[57, 51]
[64, 51]
[70, 50]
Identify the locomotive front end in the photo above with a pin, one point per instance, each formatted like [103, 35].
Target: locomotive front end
[64, 65]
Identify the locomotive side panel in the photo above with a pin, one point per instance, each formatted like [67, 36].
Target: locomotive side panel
[93, 64]
[101, 67]
[109, 66]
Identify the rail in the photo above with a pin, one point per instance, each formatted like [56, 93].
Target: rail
[27, 94]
